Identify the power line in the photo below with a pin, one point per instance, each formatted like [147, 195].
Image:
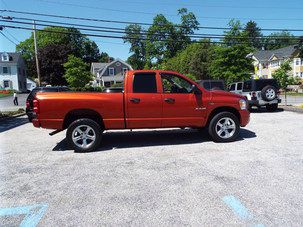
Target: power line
[209, 36]
[171, 15]
[8, 38]
[104, 27]
[213, 6]
[132, 22]
[118, 37]
[12, 36]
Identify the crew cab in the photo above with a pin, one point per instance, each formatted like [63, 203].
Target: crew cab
[150, 99]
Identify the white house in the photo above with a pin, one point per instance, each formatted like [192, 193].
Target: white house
[107, 74]
[266, 62]
[12, 72]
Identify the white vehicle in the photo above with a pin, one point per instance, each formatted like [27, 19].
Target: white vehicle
[262, 92]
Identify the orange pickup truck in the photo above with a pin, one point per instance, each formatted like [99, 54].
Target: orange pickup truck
[150, 99]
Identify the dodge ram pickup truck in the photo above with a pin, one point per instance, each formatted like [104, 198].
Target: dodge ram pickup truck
[150, 99]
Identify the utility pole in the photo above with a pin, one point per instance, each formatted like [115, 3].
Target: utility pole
[36, 53]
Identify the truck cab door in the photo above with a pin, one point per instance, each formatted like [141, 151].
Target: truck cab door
[143, 101]
[181, 106]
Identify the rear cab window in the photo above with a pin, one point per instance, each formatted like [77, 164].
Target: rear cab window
[145, 83]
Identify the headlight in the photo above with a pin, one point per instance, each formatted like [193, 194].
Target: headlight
[242, 104]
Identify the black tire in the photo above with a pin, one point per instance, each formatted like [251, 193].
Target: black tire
[95, 127]
[272, 107]
[267, 89]
[212, 128]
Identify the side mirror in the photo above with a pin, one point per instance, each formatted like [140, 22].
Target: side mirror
[196, 90]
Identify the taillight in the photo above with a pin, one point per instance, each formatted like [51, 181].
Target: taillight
[36, 106]
[27, 104]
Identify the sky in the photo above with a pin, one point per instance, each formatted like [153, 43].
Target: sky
[268, 14]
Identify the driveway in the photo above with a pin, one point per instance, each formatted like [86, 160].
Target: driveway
[7, 104]
[155, 177]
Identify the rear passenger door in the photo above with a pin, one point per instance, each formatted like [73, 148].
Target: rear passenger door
[144, 102]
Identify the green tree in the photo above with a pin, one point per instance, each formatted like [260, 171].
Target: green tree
[79, 44]
[284, 78]
[51, 59]
[194, 60]
[254, 35]
[300, 46]
[135, 37]
[231, 63]
[234, 36]
[278, 40]
[161, 41]
[104, 57]
[77, 72]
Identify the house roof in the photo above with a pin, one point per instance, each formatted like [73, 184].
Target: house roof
[266, 55]
[13, 57]
[99, 65]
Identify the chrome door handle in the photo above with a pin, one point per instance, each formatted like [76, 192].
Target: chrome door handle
[135, 100]
[169, 100]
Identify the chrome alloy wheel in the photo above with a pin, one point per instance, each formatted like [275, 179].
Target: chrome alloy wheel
[270, 94]
[83, 136]
[225, 128]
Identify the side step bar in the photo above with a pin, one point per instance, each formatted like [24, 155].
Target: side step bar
[55, 132]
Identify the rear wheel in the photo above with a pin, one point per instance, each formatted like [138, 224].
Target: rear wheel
[224, 127]
[84, 135]
[272, 107]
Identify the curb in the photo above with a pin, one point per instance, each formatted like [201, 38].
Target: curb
[11, 117]
[292, 109]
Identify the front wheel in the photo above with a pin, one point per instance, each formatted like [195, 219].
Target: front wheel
[224, 127]
[84, 135]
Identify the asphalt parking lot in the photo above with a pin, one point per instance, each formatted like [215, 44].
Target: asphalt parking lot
[155, 177]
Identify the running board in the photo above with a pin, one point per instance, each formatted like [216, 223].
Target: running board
[55, 132]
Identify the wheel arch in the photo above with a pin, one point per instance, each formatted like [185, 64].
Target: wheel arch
[220, 109]
[75, 114]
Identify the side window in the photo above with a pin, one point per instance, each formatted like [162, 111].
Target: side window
[145, 83]
[247, 86]
[232, 87]
[111, 71]
[174, 84]
[239, 86]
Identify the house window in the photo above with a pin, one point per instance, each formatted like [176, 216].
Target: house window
[298, 61]
[5, 57]
[124, 70]
[111, 71]
[301, 74]
[6, 70]
[274, 63]
[6, 83]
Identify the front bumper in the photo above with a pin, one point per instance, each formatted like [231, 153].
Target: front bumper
[245, 117]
